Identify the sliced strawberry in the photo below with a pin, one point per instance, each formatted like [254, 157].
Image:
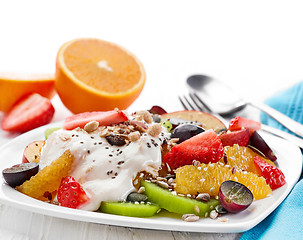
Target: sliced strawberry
[70, 193]
[205, 147]
[29, 112]
[239, 123]
[240, 137]
[274, 176]
[104, 119]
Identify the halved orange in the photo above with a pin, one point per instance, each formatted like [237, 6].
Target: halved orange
[14, 85]
[96, 75]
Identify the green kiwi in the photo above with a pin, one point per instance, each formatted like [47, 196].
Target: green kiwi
[130, 209]
[49, 131]
[177, 204]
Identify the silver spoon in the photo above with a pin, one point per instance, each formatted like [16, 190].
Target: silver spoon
[224, 101]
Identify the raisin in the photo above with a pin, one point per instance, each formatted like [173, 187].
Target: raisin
[115, 140]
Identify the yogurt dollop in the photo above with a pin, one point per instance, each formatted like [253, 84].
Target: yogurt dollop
[104, 171]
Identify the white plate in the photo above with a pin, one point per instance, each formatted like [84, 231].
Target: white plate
[289, 160]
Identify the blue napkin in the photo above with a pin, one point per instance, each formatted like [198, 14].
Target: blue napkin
[286, 222]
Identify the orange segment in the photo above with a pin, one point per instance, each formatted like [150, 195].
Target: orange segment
[14, 85]
[242, 158]
[207, 178]
[49, 178]
[96, 75]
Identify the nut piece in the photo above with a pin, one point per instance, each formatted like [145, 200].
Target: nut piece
[134, 136]
[64, 137]
[141, 190]
[144, 115]
[154, 130]
[190, 218]
[91, 126]
[203, 197]
[162, 184]
[213, 214]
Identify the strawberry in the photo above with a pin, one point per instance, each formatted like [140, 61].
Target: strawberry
[104, 119]
[205, 147]
[70, 193]
[240, 137]
[29, 112]
[274, 176]
[239, 123]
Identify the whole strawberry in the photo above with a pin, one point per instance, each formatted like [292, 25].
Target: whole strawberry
[70, 193]
[274, 176]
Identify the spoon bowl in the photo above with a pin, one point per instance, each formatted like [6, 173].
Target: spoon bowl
[220, 99]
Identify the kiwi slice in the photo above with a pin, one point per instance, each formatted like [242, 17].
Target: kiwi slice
[130, 209]
[49, 131]
[177, 204]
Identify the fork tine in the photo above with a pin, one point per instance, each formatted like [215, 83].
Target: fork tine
[188, 105]
[183, 103]
[196, 98]
[199, 104]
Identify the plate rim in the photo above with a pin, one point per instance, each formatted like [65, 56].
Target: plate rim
[155, 223]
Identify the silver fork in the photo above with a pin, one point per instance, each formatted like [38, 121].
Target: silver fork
[192, 101]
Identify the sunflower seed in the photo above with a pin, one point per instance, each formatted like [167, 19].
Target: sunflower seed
[91, 126]
[190, 218]
[203, 197]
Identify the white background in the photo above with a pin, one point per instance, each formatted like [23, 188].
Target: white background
[254, 46]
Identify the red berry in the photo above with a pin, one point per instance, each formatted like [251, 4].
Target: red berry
[104, 119]
[239, 123]
[274, 176]
[205, 147]
[70, 193]
[240, 137]
[29, 112]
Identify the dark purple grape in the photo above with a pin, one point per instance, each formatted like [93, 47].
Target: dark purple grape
[234, 196]
[259, 143]
[186, 131]
[18, 174]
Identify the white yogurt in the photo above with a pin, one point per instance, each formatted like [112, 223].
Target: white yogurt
[105, 172]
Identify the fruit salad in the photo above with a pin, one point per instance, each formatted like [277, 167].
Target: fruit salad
[136, 164]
